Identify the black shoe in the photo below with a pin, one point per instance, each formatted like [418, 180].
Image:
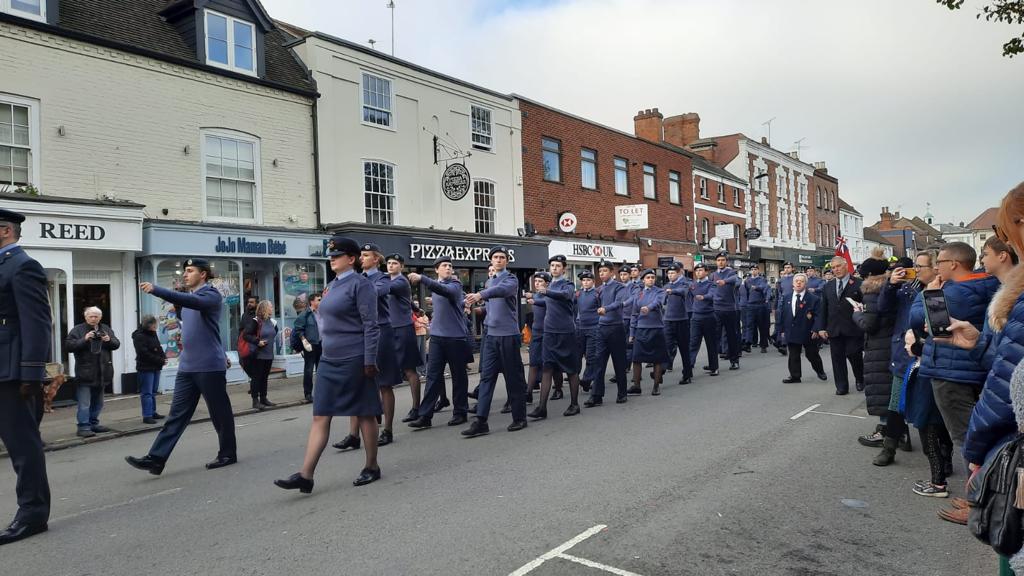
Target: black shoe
[386, 437]
[367, 476]
[538, 413]
[734, 366]
[256, 404]
[905, 444]
[19, 530]
[572, 410]
[790, 380]
[266, 402]
[746, 349]
[708, 369]
[295, 482]
[476, 428]
[474, 393]
[783, 351]
[149, 420]
[349, 442]
[713, 373]
[822, 376]
[621, 400]
[557, 394]
[686, 380]
[420, 422]
[516, 426]
[221, 462]
[457, 421]
[613, 380]
[413, 414]
[585, 385]
[529, 397]
[842, 392]
[472, 409]
[860, 386]
[100, 429]
[308, 398]
[85, 433]
[158, 416]
[764, 350]
[592, 402]
[634, 390]
[147, 462]
[443, 403]
[506, 409]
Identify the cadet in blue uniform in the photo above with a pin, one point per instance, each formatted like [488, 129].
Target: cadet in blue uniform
[703, 324]
[647, 332]
[407, 351]
[202, 369]
[814, 282]
[756, 315]
[727, 284]
[449, 344]
[677, 319]
[25, 332]
[501, 344]
[783, 288]
[559, 349]
[539, 301]
[350, 333]
[611, 336]
[626, 277]
[587, 318]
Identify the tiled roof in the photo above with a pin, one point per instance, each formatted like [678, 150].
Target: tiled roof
[985, 220]
[844, 206]
[874, 236]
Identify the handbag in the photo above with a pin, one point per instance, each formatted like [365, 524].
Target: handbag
[992, 490]
[244, 347]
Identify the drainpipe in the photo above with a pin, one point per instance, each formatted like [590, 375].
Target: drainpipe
[316, 164]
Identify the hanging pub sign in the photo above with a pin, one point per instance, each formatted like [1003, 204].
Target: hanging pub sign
[455, 182]
[752, 233]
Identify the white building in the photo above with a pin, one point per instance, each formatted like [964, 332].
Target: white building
[873, 239]
[185, 124]
[851, 226]
[955, 233]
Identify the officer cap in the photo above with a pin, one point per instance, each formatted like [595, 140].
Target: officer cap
[722, 255]
[784, 264]
[557, 258]
[626, 268]
[370, 247]
[543, 276]
[811, 267]
[11, 216]
[648, 271]
[396, 257]
[677, 266]
[700, 265]
[342, 246]
[496, 250]
[606, 264]
[441, 260]
[585, 274]
[201, 263]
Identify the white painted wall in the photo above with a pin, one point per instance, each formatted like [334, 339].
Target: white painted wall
[791, 223]
[851, 226]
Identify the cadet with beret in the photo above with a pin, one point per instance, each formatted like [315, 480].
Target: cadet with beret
[783, 288]
[703, 324]
[202, 369]
[647, 332]
[345, 386]
[611, 336]
[449, 345]
[559, 349]
[587, 319]
[407, 349]
[727, 285]
[539, 303]
[25, 332]
[626, 279]
[677, 319]
[499, 351]
[756, 312]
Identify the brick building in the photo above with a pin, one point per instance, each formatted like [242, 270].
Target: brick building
[826, 207]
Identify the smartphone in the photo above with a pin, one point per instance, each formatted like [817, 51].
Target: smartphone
[936, 312]
[911, 273]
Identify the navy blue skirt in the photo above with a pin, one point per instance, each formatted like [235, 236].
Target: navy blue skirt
[537, 349]
[561, 352]
[342, 390]
[649, 346]
[407, 349]
[388, 372]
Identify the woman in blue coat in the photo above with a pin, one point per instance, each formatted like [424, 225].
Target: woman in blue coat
[647, 333]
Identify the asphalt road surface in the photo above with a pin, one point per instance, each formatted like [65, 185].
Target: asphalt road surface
[711, 478]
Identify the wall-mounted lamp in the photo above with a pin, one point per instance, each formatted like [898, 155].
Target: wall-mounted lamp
[187, 149]
[61, 131]
[165, 211]
[275, 162]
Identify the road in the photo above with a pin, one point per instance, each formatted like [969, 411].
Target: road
[706, 479]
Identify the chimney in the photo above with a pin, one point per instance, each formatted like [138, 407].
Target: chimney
[820, 167]
[896, 215]
[764, 140]
[682, 130]
[961, 223]
[647, 125]
[794, 155]
[885, 220]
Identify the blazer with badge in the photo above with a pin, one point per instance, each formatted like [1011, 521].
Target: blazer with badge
[797, 328]
[838, 311]
[25, 323]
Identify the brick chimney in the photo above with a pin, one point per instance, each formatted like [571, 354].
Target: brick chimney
[682, 130]
[647, 124]
[885, 220]
[820, 167]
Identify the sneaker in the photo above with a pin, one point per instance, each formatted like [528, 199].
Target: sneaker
[85, 433]
[929, 489]
[873, 440]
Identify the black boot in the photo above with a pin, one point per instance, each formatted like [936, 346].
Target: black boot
[905, 444]
[256, 404]
[888, 454]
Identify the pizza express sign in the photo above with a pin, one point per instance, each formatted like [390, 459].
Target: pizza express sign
[455, 252]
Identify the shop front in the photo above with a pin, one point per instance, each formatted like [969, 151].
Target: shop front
[774, 258]
[279, 265]
[654, 253]
[585, 255]
[87, 248]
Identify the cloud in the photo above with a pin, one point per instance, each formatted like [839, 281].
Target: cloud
[907, 102]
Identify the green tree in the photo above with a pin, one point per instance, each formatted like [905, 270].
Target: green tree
[1007, 11]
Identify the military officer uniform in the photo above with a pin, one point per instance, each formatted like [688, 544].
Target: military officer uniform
[703, 324]
[611, 338]
[756, 316]
[677, 321]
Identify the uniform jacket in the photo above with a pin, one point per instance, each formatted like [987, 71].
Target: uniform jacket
[382, 286]
[202, 349]
[540, 312]
[561, 299]
[94, 363]
[652, 298]
[838, 311]
[448, 300]
[757, 291]
[587, 303]
[677, 299]
[400, 301]
[25, 327]
[726, 297]
[349, 327]
[705, 305]
[149, 353]
[877, 324]
[814, 285]
[797, 329]
[502, 296]
[613, 296]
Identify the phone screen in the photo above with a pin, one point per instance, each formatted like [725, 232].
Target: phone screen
[938, 314]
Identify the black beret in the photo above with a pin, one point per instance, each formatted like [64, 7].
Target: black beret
[585, 274]
[543, 276]
[396, 256]
[201, 263]
[606, 264]
[811, 267]
[648, 271]
[700, 265]
[342, 246]
[722, 255]
[677, 266]
[902, 262]
[11, 216]
[626, 268]
[557, 258]
[784, 264]
[370, 247]
[441, 260]
[496, 250]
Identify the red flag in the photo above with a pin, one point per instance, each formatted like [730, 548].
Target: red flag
[844, 252]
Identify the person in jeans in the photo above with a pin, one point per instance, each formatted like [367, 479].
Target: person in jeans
[421, 322]
[149, 361]
[307, 330]
[92, 342]
[261, 337]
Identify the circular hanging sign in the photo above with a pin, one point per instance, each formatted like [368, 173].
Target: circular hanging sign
[567, 222]
[715, 243]
[752, 233]
[455, 182]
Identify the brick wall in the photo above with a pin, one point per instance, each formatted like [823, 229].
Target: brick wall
[828, 213]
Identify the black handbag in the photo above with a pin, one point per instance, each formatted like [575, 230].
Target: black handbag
[992, 492]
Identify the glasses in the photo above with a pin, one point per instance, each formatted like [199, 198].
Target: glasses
[937, 262]
[1001, 234]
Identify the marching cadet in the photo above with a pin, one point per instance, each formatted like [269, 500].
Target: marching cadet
[539, 301]
[407, 351]
[783, 288]
[611, 335]
[559, 348]
[756, 315]
[587, 318]
[703, 325]
[500, 349]
[449, 344]
[626, 276]
[814, 282]
[202, 369]
[677, 319]
[25, 327]
[345, 386]
[647, 332]
[727, 284]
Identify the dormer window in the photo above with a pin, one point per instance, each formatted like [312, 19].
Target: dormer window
[230, 43]
[32, 9]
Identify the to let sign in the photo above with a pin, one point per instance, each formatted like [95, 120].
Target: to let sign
[631, 217]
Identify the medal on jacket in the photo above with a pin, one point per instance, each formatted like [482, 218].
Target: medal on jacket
[810, 316]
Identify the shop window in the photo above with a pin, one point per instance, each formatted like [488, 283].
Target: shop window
[481, 127]
[19, 141]
[231, 176]
[483, 206]
[31, 9]
[379, 192]
[377, 98]
[230, 43]
[300, 279]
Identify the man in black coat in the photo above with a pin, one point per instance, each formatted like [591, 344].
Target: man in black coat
[846, 339]
[92, 343]
[25, 329]
[799, 324]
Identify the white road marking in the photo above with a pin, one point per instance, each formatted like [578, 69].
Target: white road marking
[559, 552]
[599, 566]
[118, 504]
[804, 411]
[843, 415]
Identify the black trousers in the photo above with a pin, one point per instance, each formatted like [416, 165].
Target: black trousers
[188, 388]
[677, 337]
[846, 348]
[260, 373]
[704, 327]
[451, 352]
[755, 326]
[611, 343]
[501, 354]
[811, 351]
[19, 431]
[729, 321]
[310, 361]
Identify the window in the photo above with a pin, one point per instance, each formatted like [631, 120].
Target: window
[721, 193]
[736, 195]
[588, 168]
[230, 169]
[821, 241]
[481, 127]
[230, 43]
[703, 188]
[780, 186]
[704, 226]
[379, 192]
[31, 9]
[650, 177]
[483, 206]
[622, 177]
[552, 150]
[19, 137]
[376, 100]
[673, 187]
[739, 238]
[818, 203]
[982, 237]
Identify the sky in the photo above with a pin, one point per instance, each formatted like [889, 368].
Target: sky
[906, 101]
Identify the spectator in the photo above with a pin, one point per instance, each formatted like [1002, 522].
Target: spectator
[918, 407]
[92, 343]
[261, 336]
[421, 322]
[245, 324]
[307, 332]
[845, 337]
[997, 258]
[149, 361]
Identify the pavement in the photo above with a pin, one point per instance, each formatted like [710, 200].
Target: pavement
[728, 475]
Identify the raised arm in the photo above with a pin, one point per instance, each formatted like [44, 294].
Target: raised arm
[203, 300]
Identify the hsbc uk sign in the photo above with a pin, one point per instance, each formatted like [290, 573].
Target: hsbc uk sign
[591, 252]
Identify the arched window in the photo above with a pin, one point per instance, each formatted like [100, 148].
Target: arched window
[704, 226]
[818, 204]
[820, 237]
[739, 237]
